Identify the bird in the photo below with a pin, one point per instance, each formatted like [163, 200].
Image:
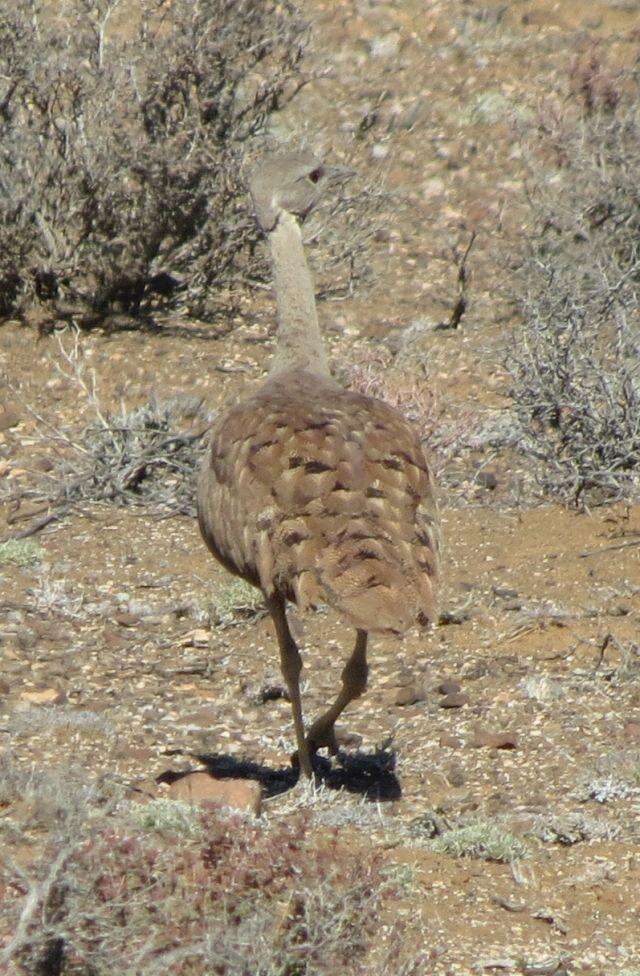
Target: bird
[314, 493]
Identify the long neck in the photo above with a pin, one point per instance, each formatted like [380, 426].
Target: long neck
[299, 344]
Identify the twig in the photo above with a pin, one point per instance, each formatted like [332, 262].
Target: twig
[460, 306]
[621, 545]
[35, 527]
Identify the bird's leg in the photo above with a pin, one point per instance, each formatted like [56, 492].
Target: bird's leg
[354, 682]
[291, 664]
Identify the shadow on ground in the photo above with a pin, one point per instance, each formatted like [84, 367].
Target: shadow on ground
[369, 774]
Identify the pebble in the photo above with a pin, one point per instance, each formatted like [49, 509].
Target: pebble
[455, 700]
[44, 696]
[487, 479]
[495, 740]
[200, 789]
[127, 619]
[410, 694]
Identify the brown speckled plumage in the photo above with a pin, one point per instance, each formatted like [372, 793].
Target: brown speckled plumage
[324, 496]
[316, 494]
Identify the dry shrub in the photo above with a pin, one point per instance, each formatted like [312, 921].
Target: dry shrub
[122, 126]
[145, 456]
[575, 363]
[169, 888]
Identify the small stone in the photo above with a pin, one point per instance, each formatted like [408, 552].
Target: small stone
[504, 592]
[127, 619]
[454, 617]
[449, 687]
[200, 788]
[44, 696]
[9, 417]
[495, 740]
[487, 479]
[456, 700]
[450, 741]
[410, 694]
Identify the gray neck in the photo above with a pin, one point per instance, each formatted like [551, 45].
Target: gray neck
[299, 343]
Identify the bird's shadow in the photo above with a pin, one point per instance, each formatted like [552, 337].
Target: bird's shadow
[369, 774]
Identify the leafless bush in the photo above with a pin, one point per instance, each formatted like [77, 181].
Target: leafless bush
[122, 126]
[167, 888]
[145, 455]
[575, 361]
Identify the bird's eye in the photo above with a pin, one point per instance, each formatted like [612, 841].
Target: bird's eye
[316, 175]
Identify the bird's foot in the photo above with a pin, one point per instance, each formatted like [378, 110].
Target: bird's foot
[322, 737]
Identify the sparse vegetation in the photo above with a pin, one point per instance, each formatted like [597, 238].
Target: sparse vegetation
[235, 601]
[122, 131]
[19, 552]
[145, 455]
[484, 839]
[575, 361]
[141, 890]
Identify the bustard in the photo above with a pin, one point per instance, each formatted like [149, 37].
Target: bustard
[313, 493]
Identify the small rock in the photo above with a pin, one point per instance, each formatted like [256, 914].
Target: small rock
[44, 696]
[9, 417]
[200, 788]
[450, 741]
[269, 693]
[410, 694]
[495, 740]
[454, 617]
[456, 700]
[448, 687]
[127, 619]
[487, 479]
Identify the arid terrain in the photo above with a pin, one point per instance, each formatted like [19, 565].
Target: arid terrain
[126, 652]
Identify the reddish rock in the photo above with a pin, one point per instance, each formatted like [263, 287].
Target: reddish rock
[410, 694]
[495, 740]
[127, 619]
[456, 700]
[200, 788]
